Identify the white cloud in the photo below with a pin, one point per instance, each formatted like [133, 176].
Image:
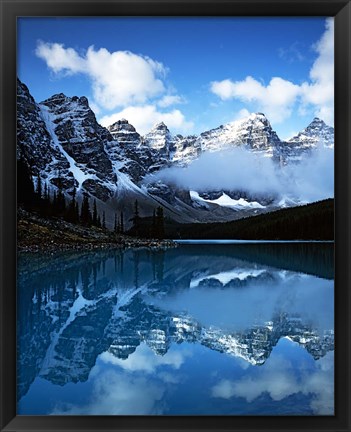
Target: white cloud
[320, 91]
[120, 78]
[169, 100]
[135, 389]
[242, 114]
[60, 59]
[277, 99]
[143, 118]
[311, 180]
[118, 394]
[94, 107]
[292, 53]
[277, 378]
[144, 359]
[223, 171]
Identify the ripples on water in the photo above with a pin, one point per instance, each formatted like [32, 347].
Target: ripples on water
[229, 329]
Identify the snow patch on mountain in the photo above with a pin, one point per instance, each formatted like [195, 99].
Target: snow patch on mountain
[77, 172]
[225, 201]
[254, 132]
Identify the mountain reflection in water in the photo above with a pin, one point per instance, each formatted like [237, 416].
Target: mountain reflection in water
[215, 329]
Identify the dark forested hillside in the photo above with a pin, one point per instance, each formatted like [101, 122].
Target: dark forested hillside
[308, 222]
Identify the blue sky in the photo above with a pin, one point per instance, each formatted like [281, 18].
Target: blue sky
[192, 73]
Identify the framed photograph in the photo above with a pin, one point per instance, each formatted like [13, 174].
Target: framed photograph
[175, 215]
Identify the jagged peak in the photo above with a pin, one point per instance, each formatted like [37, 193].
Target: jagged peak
[56, 96]
[160, 125]
[259, 116]
[317, 120]
[61, 98]
[120, 125]
[120, 122]
[23, 88]
[254, 116]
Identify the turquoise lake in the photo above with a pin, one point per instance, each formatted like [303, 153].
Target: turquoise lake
[201, 329]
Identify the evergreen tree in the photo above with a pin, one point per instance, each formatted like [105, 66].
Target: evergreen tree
[45, 205]
[71, 212]
[136, 219]
[103, 221]
[76, 213]
[46, 192]
[60, 198]
[61, 203]
[95, 214]
[121, 230]
[39, 190]
[54, 203]
[115, 228]
[160, 227]
[25, 186]
[153, 225]
[85, 214]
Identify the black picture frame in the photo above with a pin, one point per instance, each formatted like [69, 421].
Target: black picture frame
[341, 10]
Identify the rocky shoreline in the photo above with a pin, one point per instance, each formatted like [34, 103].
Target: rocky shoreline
[135, 244]
[36, 234]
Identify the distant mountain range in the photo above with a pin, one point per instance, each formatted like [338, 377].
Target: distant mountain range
[61, 140]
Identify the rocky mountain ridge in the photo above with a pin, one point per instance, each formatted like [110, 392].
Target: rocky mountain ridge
[61, 140]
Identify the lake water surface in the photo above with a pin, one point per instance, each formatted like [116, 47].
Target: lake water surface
[215, 329]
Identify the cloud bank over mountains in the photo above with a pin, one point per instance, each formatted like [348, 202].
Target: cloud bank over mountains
[238, 169]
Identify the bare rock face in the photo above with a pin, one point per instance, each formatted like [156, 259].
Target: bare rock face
[61, 140]
[34, 142]
[130, 154]
[75, 131]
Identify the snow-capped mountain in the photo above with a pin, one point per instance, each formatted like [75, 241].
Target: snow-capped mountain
[61, 140]
[130, 154]
[76, 134]
[316, 133]
[34, 142]
[160, 139]
[254, 132]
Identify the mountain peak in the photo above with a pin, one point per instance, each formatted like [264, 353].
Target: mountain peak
[317, 132]
[160, 126]
[61, 99]
[258, 116]
[121, 125]
[317, 119]
[318, 123]
[55, 97]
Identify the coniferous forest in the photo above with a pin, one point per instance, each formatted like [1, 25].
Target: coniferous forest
[308, 222]
[36, 199]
